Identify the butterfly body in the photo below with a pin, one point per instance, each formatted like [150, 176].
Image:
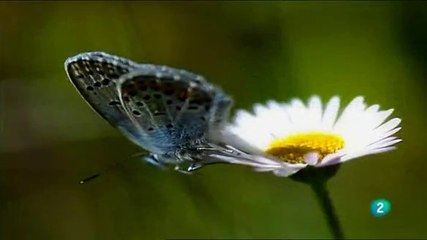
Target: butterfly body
[171, 113]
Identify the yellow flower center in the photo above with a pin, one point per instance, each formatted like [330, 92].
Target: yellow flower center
[293, 148]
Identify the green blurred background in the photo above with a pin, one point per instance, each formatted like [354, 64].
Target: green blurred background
[255, 51]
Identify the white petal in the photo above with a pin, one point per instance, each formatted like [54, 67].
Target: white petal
[379, 135]
[297, 114]
[242, 116]
[273, 105]
[315, 113]
[357, 104]
[311, 158]
[381, 141]
[263, 164]
[384, 143]
[346, 121]
[391, 124]
[259, 109]
[330, 159]
[297, 103]
[367, 152]
[380, 117]
[331, 112]
[286, 172]
[373, 108]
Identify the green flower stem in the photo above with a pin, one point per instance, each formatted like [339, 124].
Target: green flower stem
[322, 194]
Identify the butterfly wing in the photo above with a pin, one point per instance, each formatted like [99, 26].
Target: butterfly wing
[171, 107]
[95, 76]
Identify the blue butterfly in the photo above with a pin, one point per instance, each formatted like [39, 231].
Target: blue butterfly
[171, 113]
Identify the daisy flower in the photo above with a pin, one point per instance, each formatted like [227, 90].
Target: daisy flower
[286, 137]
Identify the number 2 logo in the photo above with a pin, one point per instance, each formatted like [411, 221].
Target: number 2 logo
[380, 207]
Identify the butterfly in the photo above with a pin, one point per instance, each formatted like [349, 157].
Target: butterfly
[173, 114]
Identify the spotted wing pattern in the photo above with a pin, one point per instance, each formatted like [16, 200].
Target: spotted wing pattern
[171, 107]
[157, 107]
[95, 76]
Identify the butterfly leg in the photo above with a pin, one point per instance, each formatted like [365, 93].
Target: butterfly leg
[153, 160]
[183, 170]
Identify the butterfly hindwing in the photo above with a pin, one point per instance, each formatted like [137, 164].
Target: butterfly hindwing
[172, 107]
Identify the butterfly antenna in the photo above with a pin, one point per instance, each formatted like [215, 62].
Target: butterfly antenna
[96, 175]
[107, 169]
[90, 178]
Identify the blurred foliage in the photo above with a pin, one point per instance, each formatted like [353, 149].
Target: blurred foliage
[50, 138]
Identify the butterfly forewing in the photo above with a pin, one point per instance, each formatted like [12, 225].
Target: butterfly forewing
[95, 75]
